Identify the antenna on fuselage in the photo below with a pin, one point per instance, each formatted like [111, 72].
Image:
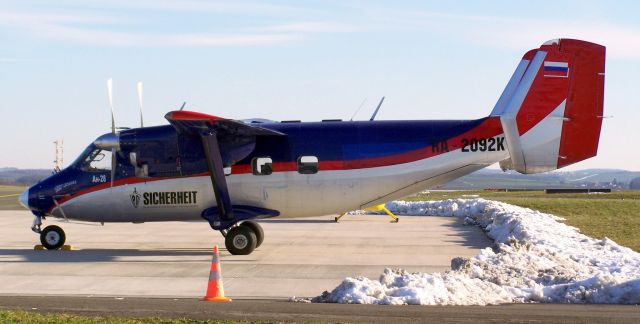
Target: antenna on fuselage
[139, 88]
[361, 104]
[183, 104]
[376, 112]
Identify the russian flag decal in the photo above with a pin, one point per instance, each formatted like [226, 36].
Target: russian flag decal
[556, 69]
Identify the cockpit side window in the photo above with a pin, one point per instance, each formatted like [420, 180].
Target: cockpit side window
[97, 160]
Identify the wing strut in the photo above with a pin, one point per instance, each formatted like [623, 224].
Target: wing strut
[216, 171]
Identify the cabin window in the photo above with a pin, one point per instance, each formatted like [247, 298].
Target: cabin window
[262, 166]
[307, 165]
[97, 160]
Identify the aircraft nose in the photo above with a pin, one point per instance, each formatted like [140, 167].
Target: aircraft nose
[24, 199]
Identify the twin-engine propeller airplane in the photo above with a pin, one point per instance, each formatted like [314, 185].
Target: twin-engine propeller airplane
[231, 172]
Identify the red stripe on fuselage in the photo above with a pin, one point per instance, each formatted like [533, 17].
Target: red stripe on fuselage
[490, 127]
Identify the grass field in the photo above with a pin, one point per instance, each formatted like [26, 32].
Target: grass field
[11, 316]
[615, 215]
[9, 197]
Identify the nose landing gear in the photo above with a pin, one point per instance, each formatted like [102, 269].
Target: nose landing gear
[52, 237]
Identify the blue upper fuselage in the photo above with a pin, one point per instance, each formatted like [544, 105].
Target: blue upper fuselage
[166, 153]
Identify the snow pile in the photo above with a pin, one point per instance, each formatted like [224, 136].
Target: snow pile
[536, 259]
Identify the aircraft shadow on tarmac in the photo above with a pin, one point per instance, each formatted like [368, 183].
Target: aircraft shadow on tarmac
[470, 236]
[104, 255]
[297, 221]
[466, 235]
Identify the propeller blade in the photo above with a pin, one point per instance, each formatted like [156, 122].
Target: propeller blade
[140, 101]
[113, 164]
[110, 93]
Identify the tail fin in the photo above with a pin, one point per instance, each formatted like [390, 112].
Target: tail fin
[551, 109]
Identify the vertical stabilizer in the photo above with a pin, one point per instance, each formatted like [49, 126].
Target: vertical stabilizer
[551, 109]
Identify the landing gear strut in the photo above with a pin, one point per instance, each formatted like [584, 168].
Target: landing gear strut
[241, 235]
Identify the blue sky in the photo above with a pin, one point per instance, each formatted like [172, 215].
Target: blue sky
[306, 60]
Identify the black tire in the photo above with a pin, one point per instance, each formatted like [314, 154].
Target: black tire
[256, 229]
[241, 240]
[52, 237]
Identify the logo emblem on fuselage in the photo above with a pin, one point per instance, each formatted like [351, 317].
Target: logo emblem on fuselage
[135, 198]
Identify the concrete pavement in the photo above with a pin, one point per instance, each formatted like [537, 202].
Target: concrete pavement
[299, 257]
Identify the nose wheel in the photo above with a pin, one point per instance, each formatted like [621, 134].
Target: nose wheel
[52, 237]
[244, 238]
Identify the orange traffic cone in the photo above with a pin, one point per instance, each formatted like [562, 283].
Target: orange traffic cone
[215, 291]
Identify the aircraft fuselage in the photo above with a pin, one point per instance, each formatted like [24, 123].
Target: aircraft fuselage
[359, 164]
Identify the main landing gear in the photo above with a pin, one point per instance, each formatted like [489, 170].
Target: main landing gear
[242, 235]
[243, 238]
[52, 237]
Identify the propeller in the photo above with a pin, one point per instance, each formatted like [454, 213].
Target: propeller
[113, 129]
[140, 101]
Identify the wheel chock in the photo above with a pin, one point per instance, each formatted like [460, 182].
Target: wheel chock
[65, 247]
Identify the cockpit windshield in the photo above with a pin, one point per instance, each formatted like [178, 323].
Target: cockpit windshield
[94, 159]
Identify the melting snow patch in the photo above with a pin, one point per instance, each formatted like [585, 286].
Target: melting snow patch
[536, 259]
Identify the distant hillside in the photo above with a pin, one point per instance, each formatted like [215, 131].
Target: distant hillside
[593, 178]
[14, 176]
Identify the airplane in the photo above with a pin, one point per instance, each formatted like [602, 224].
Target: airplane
[232, 172]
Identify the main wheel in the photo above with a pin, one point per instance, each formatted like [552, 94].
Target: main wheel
[256, 229]
[241, 240]
[52, 237]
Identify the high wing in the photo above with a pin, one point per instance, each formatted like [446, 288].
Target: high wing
[224, 142]
[194, 123]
